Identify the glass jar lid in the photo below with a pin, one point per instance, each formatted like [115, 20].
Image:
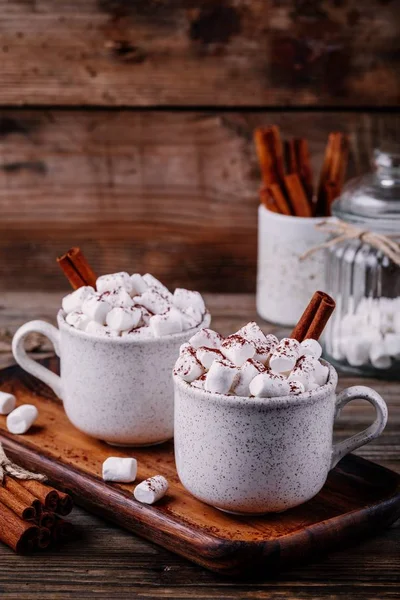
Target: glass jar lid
[373, 200]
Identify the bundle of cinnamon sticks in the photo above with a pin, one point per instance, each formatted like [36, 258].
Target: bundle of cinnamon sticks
[287, 175]
[31, 515]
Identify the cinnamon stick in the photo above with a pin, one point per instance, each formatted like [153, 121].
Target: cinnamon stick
[17, 489]
[290, 157]
[267, 200]
[304, 167]
[298, 199]
[19, 535]
[279, 199]
[46, 519]
[77, 269]
[47, 495]
[265, 157]
[44, 538]
[22, 509]
[316, 315]
[65, 504]
[62, 530]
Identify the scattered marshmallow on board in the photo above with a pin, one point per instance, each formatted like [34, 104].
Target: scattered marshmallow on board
[151, 490]
[122, 470]
[7, 403]
[21, 419]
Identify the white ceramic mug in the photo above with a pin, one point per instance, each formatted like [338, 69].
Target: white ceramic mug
[260, 455]
[285, 283]
[117, 389]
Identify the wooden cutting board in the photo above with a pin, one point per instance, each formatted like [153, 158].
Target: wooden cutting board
[358, 499]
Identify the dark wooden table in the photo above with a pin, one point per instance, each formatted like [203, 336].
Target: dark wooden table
[107, 562]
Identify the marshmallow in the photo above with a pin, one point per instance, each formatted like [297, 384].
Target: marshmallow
[117, 297]
[138, 333]
[392, 344]
[191, 317]
[21, 419]
[269, 385]
[146, 316]
[220, 377]
[100, 330]
[188, 367]
[154, 283]
[185, 347]
[296, 387]
[206, 337]
[356, 349]
[321, 372]
[237, 349]
[74, 301]
[311, 347]
[396, 321]
[96, 309]
[153, 301]
[199, 383]
[121, 319]
[248, 371]
[167, 323]
[264, 344]
[185, 299]
[109, 282]
[351, 324]
[379, 357]
[151, 490]
[138, 285]
[304, 371]
[78, 320]
[7, 403]
[122, 470]
[285, 355]
[207, 356]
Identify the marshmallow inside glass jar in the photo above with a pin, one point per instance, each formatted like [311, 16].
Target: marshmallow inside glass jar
[249, 363]
[137, 307]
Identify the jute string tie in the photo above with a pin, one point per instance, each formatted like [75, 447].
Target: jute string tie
[345, 231]
[7, 467]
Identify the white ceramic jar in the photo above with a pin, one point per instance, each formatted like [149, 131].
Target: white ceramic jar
[285, 282]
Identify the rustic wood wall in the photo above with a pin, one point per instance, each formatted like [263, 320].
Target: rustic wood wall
[126, 125]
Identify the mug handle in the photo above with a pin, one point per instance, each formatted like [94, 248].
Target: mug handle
[359, 392]
[27, 363]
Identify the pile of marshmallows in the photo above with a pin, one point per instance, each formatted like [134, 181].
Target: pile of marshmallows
[370, 335]
[249, 363]
[137, 305]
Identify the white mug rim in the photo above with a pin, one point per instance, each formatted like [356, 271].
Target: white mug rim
[293, 218]
[63, 325]
[288, 401]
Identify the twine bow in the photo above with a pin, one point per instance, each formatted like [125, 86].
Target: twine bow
[346, 231]
[10, 468]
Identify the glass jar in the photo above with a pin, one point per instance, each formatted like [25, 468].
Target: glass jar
[363, 335]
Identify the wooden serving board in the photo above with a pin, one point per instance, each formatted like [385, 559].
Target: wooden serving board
[358, 499]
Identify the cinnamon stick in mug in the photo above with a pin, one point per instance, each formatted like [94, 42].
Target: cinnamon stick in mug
[313, 320]
[297, 197]
[77, 269]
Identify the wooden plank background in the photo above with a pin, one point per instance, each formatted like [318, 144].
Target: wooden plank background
[90, 155]
[199, 52]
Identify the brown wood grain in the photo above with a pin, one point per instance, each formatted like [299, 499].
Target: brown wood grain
[111, 562]
[175, 194]
[199, 52]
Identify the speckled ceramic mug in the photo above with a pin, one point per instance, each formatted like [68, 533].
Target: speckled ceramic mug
[260, 455]
[116, 389]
